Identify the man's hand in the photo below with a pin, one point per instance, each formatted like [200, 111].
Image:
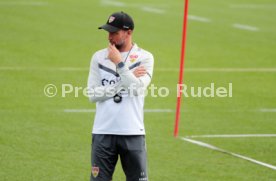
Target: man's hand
[139, 71]
[114, 54]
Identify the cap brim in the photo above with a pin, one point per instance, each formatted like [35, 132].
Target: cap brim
[109, 28]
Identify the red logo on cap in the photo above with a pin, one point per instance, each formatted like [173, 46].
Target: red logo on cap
[111, 19]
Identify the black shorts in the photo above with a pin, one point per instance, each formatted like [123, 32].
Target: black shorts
[104, 155]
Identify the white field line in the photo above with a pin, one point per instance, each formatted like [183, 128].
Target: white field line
[218, 69]
[197, 18]
[44, 69]
[232, 136]
[142, 7]
[22, 3]
[192, 136]
[113, 3]
[79, 110]
[159, 110]
[229, 153]
[253, 6]
[245, 27]
[153, 10]
[267, 110]
[94, 110]
[157, 69]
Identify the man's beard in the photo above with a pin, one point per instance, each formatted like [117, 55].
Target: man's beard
[119, 46]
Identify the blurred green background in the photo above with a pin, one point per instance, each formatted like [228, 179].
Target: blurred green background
[51, 42]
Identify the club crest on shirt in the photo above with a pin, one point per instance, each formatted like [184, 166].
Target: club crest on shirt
[95, 171]
[133, 58]
[111, 19]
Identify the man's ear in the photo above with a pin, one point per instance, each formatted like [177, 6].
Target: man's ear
[129, 32]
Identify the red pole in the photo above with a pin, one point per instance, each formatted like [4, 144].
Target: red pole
[181, 69]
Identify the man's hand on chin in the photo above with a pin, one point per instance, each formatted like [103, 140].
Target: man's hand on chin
[114, 54]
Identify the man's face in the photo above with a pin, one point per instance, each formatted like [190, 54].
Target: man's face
[118, 38]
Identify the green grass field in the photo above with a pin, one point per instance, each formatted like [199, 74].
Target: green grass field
[51, 42]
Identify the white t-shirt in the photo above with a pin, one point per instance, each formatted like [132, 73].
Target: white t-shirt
[105, 80]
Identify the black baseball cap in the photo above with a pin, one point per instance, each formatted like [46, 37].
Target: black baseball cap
[118, 21]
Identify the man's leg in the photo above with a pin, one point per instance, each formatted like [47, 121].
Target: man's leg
[133, 157]
[104, 157]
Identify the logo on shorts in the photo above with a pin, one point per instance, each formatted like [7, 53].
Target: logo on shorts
[143, 177]
[95, 171]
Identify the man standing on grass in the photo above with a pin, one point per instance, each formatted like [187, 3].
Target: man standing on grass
[118, 76]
